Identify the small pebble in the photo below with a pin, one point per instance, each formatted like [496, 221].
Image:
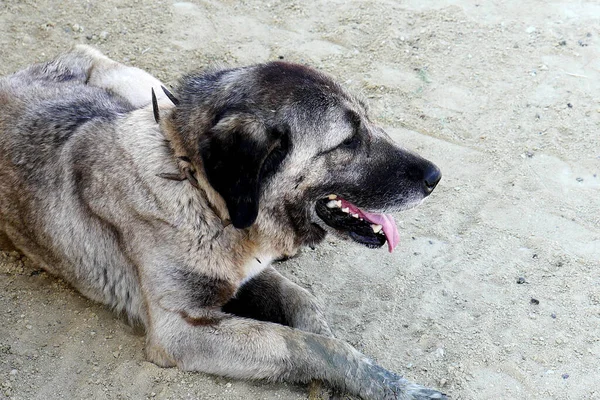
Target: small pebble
[565, 376]
[553, 315]
[521, 280]
[569, 105]
[579, 179]
[562, 43]
[534, 301]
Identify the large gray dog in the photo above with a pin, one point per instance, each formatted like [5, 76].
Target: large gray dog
[170, 208]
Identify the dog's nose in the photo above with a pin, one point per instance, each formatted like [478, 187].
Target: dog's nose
[431, 178]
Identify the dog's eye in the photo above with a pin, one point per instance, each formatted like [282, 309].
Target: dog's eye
[352, 142]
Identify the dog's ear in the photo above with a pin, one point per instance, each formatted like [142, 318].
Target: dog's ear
[238, 154]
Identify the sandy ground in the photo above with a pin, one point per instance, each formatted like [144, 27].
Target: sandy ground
[503, 95]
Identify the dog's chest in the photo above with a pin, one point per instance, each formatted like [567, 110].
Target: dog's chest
[255, 266]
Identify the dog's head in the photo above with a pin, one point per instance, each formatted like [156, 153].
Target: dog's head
[284, 142]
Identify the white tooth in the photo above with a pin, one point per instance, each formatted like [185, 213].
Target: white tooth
[332, 204]
[338, 203]
[332, 197]
[355, 215]
[346, 210]
[376, 228]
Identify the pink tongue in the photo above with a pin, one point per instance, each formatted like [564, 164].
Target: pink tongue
[387, 222]
[389, 227]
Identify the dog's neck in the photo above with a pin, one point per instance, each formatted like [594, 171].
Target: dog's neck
[189, 166]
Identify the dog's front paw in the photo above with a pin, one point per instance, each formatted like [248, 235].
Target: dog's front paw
[386, 385]
[418, 392]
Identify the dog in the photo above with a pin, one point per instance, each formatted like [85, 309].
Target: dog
[170, 207]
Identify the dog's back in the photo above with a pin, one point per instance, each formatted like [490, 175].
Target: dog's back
[49, 120]
[41, 116]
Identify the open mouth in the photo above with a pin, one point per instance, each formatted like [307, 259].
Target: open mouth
[369, 229]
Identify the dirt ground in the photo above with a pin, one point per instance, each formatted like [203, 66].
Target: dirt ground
[494, 290]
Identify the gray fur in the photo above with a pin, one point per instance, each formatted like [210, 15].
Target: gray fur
[175, 220]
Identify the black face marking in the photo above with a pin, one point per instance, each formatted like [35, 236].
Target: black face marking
[391, 178]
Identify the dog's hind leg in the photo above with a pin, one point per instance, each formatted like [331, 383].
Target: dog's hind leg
[274, 298]
[87, 65]
[71, 67]
[133, 84]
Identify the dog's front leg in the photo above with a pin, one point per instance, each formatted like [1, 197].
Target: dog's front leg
[218, 343]
[271, 297]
